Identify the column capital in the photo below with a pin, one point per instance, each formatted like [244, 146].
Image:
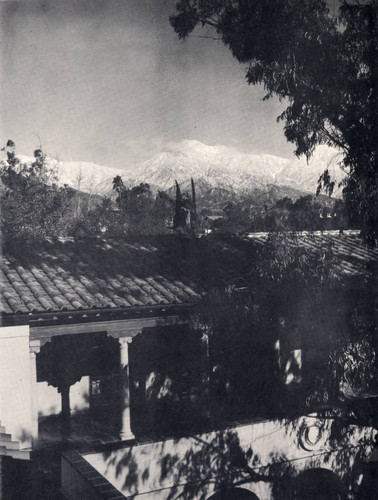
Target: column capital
[125, 333]
[123, 341]
[34, 347]
[124, 349]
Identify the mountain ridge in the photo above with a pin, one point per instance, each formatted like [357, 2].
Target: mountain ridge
[219, 166]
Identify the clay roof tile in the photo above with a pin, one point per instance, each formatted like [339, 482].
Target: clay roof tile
[72, 275]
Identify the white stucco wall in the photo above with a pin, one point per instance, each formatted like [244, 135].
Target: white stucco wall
[149, 471]
[15, 385]
[49, 399]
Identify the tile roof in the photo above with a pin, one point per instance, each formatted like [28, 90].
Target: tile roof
[68, 275]
[351, 254]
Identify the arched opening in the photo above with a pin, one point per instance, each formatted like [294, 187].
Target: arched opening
[234, 494]
[318, 484]
[81, 371]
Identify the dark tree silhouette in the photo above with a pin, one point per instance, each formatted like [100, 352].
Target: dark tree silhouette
[324, 64]
[32, 203]
[193, 213]
[185, 217]
[179, 218]
[139, 211]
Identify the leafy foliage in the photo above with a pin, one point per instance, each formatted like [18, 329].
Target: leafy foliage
[240, 384]
[33, 205]
[335, 313]
[322, 64]
[185, 218]
[350, 369]
[287, 262]
[303, 214]
[101, 219]
[139, 212]
[296, 294]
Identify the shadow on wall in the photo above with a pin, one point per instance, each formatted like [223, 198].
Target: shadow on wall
[168, 370]
[229, 465]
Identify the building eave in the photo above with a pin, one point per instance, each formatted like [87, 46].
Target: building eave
[37, 320]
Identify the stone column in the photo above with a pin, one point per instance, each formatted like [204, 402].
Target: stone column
[65, 415]
[34, 349]
[125, 432]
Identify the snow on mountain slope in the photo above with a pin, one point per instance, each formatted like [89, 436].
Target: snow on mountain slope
[302, 175]
[84, 176]
[218, 166]
[226, 168]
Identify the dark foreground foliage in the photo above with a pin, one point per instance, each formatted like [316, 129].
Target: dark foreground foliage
[323, 63]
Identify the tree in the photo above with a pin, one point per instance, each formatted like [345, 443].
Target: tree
[140, 212]
[102, 219]
[193, 212]
[304, 214]
[295, 292]
[236, 219]
[335, 310]
[32, 204]
[243, 374]
[323, 65]
[185, 217]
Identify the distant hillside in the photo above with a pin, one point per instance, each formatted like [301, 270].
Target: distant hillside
[219, 172]
[304, 176]
[215, 199]
[224, 168]
[84, 176]
[221, 167]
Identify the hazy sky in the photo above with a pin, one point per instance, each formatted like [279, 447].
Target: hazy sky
[109, 81]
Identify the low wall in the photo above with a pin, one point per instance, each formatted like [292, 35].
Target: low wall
[256, 455]
[81, 481]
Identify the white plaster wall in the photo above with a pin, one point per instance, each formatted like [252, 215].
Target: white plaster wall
[15, 388]
[79, 395]
[154, 466]
[49, 399]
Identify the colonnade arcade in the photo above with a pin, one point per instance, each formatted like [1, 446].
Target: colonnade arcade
[62, 355]
[174, 380]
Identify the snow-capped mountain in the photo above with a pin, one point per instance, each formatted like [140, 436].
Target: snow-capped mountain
[217, 166]
[220, 166]
[85, 176]
[304, 176]
[226, 168]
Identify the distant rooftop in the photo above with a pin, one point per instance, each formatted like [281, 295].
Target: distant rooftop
[350, 252]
